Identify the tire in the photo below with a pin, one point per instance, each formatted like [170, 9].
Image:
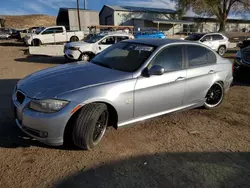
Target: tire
[74, 39]
[211, 101]
[84, 57]
[222, 50]
[36, 42]
[85, 126]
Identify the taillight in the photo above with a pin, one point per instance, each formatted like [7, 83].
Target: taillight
[232, 67]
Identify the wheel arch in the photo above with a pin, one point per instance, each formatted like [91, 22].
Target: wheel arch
[113, 118]
[222, 45]
[73, 37]
[36, 39]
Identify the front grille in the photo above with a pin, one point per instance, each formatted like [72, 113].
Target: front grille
[20, 97]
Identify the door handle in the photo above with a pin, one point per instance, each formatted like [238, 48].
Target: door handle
[100, 48]
[211, 72]
[180, 79]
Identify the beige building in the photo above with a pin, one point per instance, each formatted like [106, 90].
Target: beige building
[68, 17]
[211, 24]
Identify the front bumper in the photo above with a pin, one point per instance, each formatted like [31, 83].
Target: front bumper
[27, 42]
[73, 55]
[47, 128]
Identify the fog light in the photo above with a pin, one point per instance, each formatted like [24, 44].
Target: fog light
[43, 134]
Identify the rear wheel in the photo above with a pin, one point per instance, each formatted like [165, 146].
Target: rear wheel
[74, 39]
[90, 125]
[215, 96]
[222, 50]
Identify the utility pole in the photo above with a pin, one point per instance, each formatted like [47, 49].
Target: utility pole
[78, 12]
[85, 4]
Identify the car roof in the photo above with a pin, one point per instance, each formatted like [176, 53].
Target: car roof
[157, 42]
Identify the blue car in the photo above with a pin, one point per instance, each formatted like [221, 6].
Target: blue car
[154, 34]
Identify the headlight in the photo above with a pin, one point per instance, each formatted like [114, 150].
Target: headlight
[47, 106]
[74, 48]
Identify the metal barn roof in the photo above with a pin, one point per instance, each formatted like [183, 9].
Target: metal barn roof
[141, 9]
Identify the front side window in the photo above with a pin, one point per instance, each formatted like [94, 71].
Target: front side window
[124, 56]
[94, 38]
[108, 41]
[49, 31]
[198, 56]
[170, 58]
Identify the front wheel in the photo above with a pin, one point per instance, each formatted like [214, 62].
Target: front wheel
[84, 57]
[215, 96]
[90, 125]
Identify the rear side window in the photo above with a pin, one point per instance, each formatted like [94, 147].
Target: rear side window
[58, 30]
[217, 37]
[170, 58]
[198, 56]
[121, 38]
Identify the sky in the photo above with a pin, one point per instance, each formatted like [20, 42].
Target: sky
[51, 7]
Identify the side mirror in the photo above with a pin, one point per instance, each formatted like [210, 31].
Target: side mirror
[202, 40]
[156, 70]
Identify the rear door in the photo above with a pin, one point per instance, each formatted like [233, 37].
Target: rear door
[218, 40]
[159, 93]
[201, 64]
[60, 35]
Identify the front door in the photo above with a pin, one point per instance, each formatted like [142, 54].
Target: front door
[207, 40]
[200, 73]
[159, 93]
[48, 36]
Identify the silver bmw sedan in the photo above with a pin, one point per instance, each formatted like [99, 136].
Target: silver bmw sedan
[129, 82]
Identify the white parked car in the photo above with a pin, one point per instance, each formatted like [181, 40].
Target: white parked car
[4, 36]
[51, 35]
[217, 41]
[84, 51]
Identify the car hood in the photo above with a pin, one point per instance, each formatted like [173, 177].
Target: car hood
[76, 44]
[54, 81]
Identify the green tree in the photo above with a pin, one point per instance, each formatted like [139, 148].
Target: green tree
[218, 8]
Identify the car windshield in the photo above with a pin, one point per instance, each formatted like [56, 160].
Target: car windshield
[39, 30]
[194, 37]
[124, 56]
[95, 38]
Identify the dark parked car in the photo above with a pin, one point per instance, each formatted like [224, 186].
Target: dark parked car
[244, 43]
[242, 62]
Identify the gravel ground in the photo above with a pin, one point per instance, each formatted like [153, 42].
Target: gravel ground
[195, 148]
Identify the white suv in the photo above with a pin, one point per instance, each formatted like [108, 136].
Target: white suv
[216, 41]
[85, 51]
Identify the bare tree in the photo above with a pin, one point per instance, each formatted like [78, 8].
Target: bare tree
[218, 8]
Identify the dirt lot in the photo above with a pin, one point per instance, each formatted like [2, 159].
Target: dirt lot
[195, 148]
